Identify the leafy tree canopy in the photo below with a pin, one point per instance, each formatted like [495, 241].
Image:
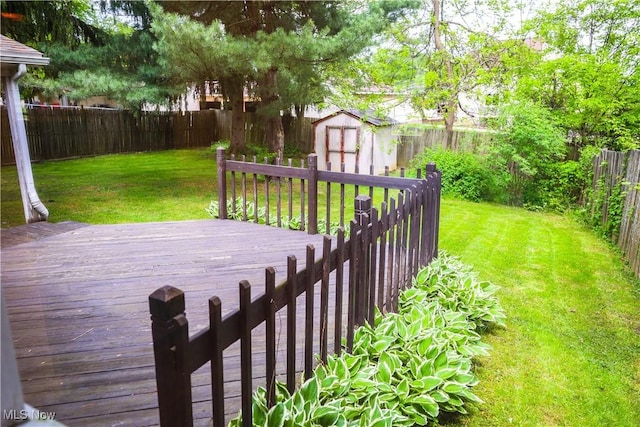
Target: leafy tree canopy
[442, 51]
[280, 51]
[589, 76]
[92, 53]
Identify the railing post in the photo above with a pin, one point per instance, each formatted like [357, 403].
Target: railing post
[222, 183]
[362, 216]
[312, 208]
[170, 332]
[434, 191]
[362, 207]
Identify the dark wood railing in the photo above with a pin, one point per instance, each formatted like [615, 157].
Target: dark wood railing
[385, 249]
[297, 190]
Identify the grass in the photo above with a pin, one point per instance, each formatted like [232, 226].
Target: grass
[570, 355]
[142, 187]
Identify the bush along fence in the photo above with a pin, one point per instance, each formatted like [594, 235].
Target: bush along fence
[354, 278]
[615, 201]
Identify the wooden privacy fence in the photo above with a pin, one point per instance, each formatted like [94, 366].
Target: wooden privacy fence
[412, 144]
[60, 133]
[619, 172]
[384, 251]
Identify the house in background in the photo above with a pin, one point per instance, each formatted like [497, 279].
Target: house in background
[356, 138]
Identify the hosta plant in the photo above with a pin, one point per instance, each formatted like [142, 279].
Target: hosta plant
[293, 223]
[457, 288]
[405, 370]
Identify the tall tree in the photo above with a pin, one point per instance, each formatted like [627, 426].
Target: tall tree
[589, 75]
[445, 52]
[95, 49]
[64, 21]
[278, 50]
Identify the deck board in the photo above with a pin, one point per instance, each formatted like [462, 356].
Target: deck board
[77, 298]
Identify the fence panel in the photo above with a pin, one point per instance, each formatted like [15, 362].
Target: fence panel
[616, 171]
[60, 133]
[413, 144]
[629, 237]
[378, 266]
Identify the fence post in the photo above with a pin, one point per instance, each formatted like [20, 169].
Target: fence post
[362, 216]
[170, 332]
[434, 211]
[222, 183]
[312, 208]
[362, 207]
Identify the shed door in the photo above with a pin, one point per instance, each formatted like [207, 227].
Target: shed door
[342, 146]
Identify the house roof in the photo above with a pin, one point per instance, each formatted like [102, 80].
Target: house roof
[13, 53]
[367, 116]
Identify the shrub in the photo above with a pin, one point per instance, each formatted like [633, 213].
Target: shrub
[407, 369]
[465, 175]
[528, 145]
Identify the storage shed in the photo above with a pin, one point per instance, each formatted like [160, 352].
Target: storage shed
[355, 137]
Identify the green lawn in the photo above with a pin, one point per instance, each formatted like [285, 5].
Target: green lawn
[142, 187]
[571, 353]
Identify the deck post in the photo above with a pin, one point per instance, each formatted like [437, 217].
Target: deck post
[362, 207]
[170, 332]
[312, 209]
[363, 217]
[222, 182]
[434, 213]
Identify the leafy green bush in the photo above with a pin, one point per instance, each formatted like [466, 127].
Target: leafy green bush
[528, 145]
[407, 369]
[465, 175]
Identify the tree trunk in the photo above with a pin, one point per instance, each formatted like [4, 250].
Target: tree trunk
[236, 96]
[273, 120]
[269, 94]
[451, 104]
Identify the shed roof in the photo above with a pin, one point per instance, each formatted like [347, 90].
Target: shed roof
[367, 116]
[13, 53]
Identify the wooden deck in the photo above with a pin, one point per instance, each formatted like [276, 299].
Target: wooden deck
[77, 297]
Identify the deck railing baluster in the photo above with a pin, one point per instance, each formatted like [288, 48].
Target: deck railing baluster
[337, 345]
[309, 311]
[217, 368]
[324, 297]
[270, 334]
[291, 289]
[246, 377]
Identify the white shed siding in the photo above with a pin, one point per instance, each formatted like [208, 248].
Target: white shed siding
[374, 145]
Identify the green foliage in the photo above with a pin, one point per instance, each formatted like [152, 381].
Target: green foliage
[92, 54]
[456, 287]
[408, 369]
[588, 78]
[527, 146]
[297, 41]
[465, 175]
[474, 54]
